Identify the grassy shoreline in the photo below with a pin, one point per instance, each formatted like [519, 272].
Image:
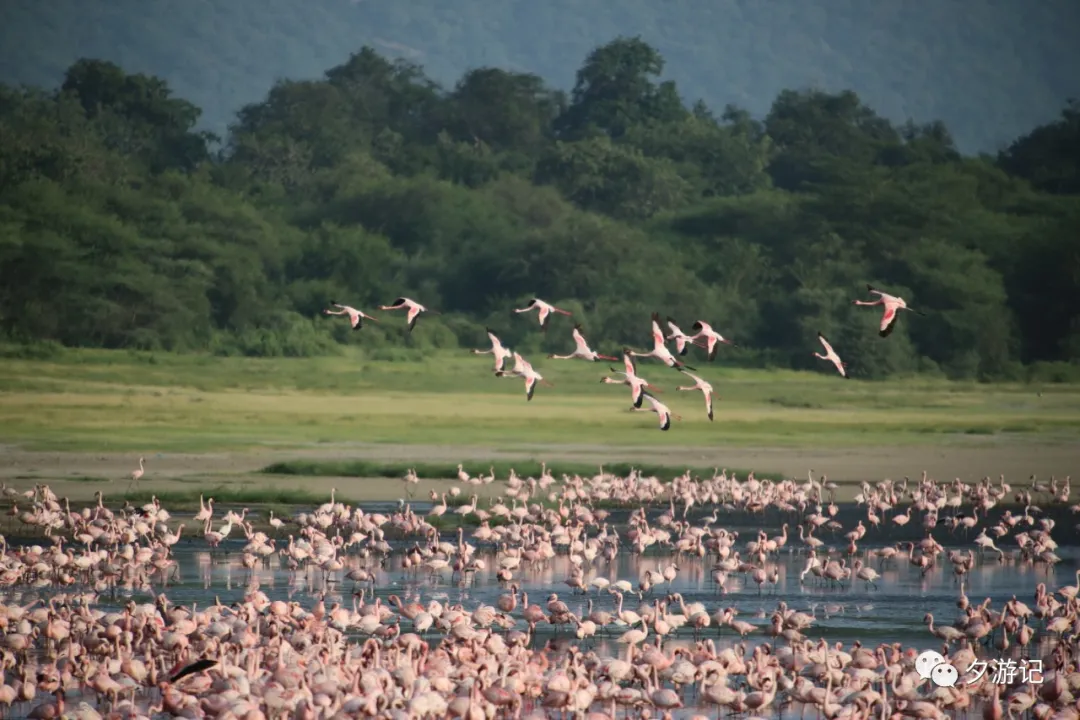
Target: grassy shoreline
[125, 401]
[524, 468]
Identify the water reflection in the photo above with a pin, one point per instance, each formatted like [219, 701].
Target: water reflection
[892, 612]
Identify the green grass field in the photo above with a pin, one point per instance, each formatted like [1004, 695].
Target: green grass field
[121, 401]
[500, 468]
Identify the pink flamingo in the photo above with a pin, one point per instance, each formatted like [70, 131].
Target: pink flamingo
[524, 369]
[706, 390]
[712, 338]
[356, 317]
[545, 311]
[136, 474]
[831, 356]
[662, 411]
[414, 308]
[582, 351]
[500, 353]
[892, 305]
[659, 351]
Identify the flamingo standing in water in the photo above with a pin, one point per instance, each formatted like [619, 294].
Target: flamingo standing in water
[831, 356]
[414, 308]
[356, 317]
[545, 311]
[582, 350]
[661, 410]
[501, 353]
[682, 340]
[630, 377]
[523, 369]
[136, 474]
[705, 388]
[713, 338]
[893, 305]
[660, 351]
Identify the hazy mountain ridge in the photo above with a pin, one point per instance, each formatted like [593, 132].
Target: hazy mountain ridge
[989, 70]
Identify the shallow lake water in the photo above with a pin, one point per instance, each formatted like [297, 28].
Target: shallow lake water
[891, 612]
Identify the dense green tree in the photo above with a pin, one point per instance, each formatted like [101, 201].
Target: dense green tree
[988, 82]
[138, 114]
[118, 227]
[613, 179]
[1049, 156]
[615, 91]
[508, 112]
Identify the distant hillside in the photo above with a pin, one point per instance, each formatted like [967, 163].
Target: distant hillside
[990, 70]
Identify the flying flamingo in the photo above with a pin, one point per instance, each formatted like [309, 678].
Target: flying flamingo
[356, 317]
[831, 356]
[413, 307]
[583, 350]
[662, 411]
[713, 338]
[892, 305]
[660, 351]
[630, 377]
[705, 388]
[523, 369]
[545, 311]
[501, 353]
[682, 340]
[136, 474]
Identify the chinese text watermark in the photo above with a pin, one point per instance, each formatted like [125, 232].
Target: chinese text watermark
[933, 666]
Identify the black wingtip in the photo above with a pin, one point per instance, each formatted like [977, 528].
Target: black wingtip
[197, 666]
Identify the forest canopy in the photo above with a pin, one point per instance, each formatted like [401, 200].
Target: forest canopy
[123, 227]
[991, 71]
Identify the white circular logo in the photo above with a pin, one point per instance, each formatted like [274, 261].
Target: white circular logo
[931, 666]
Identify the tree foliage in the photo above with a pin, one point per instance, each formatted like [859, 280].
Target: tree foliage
[972, 69]
[121, 228]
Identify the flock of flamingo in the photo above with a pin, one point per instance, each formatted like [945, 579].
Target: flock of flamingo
[641, 390]
[89, 630]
